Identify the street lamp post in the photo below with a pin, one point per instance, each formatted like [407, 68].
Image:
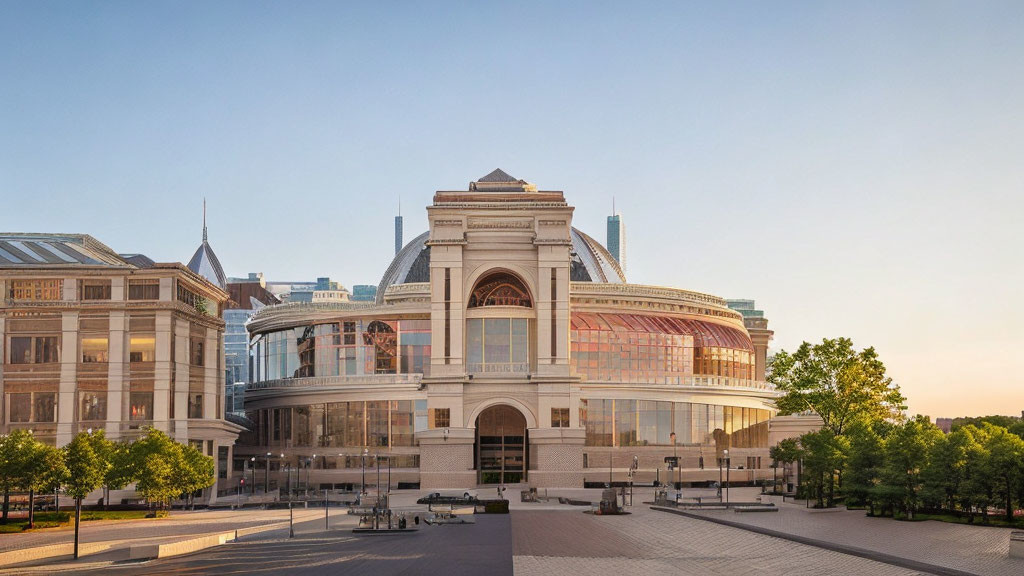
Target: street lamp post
[252, 468]
[675, 456]
[726, 452]
[266, 477]
[362, 483]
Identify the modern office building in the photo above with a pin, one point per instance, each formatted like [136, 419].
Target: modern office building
[246, 296]
[506, 346]
[93, 339]
[398, 233]
[757, 327]
[615, 239]
[363, 293]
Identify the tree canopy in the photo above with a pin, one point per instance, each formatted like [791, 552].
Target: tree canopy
[836, 382]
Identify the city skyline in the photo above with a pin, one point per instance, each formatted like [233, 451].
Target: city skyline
[858, 164]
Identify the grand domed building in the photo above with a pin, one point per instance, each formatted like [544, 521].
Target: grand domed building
[506, 346]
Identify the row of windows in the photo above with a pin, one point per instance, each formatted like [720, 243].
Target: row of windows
[94, 348]
[344, 348]
[92, 406]
[384, 423]
[51, 290]
[652, 423]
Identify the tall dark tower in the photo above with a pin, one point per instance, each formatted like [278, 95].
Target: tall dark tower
[398, 228]
[615, 241]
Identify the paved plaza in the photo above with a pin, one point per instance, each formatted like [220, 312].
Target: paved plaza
[551, 538]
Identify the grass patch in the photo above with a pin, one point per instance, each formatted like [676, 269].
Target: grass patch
[43, 520]
[57, 519]
[91, 515]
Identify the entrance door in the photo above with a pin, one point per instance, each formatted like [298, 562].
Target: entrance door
[501, 446]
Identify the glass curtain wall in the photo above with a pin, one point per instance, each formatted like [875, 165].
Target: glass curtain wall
[498, 345]
[651, 423]
[373, 424]
[657, 350]
[346, 348]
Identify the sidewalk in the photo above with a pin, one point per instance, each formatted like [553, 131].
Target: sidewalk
[110, 541]
[973, 549]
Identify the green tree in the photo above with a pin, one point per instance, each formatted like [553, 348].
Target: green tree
[85, 473]
[836, 382]
[947, 469]
[1006, 465]
[787, 451]
[864, 465]
[16, 451]
[47, 472]
[157, 460]
[976, 491]
[906, 456]
[196, 472]
[824, 456]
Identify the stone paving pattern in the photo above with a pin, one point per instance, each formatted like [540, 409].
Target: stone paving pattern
[551, 538]
[976, 549]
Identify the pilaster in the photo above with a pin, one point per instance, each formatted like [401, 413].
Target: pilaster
[115, 371]
[179, 392]
[68, 374]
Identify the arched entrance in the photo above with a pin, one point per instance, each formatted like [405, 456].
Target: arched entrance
[501, 446]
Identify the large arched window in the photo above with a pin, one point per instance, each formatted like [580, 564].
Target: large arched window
[500, 289]
[384, 340]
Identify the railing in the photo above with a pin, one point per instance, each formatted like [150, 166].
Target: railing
[324, 381]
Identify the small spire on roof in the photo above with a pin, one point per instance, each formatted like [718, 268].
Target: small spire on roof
[204, 220]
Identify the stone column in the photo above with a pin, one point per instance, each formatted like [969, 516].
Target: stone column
[179, 393]
[162, 371]
[447, 462]
[558, 453]
[3, 358]
[68, 375]
[115, 372]
[211, 400]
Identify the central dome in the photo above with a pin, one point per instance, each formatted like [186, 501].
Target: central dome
[589, 261]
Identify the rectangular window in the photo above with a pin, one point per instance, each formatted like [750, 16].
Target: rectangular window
[20, 407]
[559, 417]
[21, 350]
[35, 289]
[195, 405]
[222, 461]
[141, 406]
[497, 345]
[196, 345]
[32, 407]
[142, 348]
[186, 296]
[447, 314]
[94, 289]
[554, 315]
[94, 349]
[33, 350]
[442, 417]
[44, 407]
[92, 406]
[144, 289]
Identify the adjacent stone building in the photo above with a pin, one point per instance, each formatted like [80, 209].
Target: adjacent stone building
[93, 339]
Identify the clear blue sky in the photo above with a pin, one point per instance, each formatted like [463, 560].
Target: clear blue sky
[858, 168]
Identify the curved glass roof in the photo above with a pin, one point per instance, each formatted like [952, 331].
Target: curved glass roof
[589, 262]
[704, 333]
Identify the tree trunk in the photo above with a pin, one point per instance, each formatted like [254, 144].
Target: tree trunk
[7, 505]
[31, 508]
[78, 520]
